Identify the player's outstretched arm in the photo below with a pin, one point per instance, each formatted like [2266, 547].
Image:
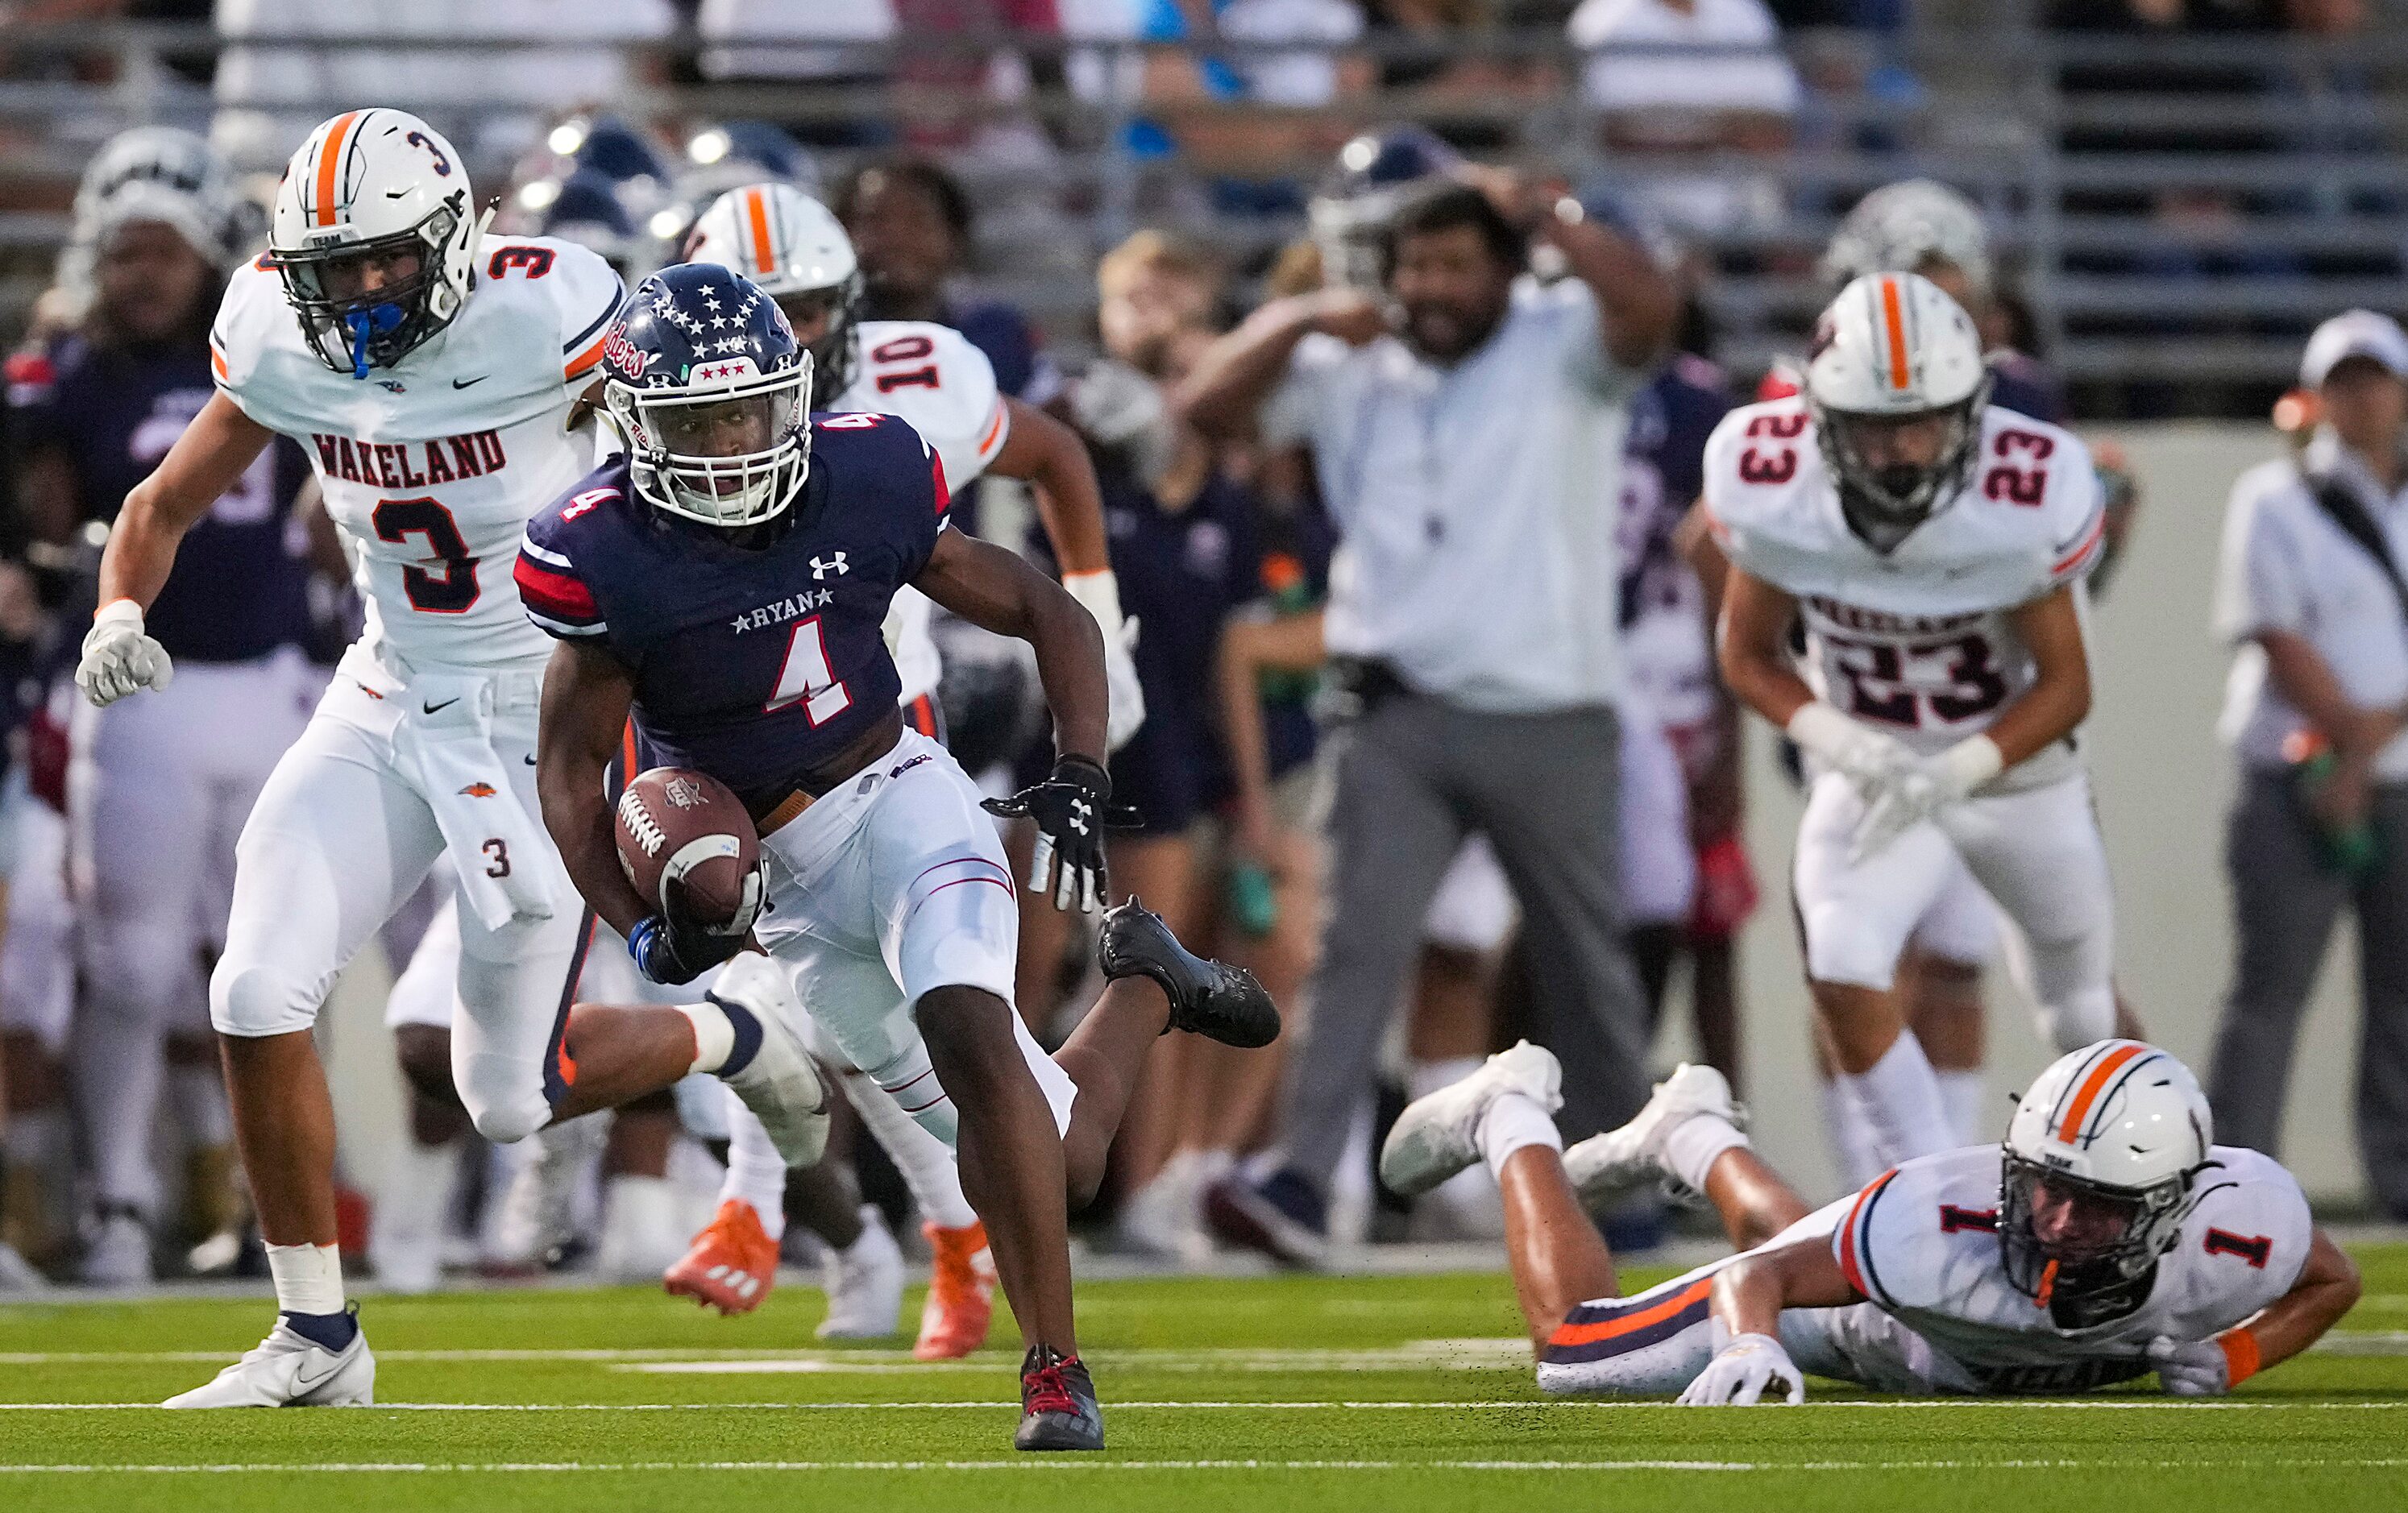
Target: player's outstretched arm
[1238, 372]
[2326, 1288]
[2059, 697]
[119, 655]
[586, 695]
[994, 590]
[1748, 1297]
[1043, 452]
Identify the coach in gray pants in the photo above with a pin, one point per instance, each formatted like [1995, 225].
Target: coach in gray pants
[1466, 431]
[2311, 588]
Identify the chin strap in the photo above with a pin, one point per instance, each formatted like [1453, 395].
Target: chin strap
[373, 322]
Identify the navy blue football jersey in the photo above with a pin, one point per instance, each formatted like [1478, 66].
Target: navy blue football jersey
[1663, 472]
[240, 587]
[754, 665]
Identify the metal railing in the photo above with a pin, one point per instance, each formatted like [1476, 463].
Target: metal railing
[2141, 262]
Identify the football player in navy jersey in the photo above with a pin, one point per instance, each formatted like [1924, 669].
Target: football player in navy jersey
[160, 786]
[725, 584]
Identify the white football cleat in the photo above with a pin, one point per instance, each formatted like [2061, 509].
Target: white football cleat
[864, 1284]
[779, 1084]
[1605, 1166]
[643, 1235]
[539, 1209]
[118, 1251]
[289, 1370]
[1439, 1135]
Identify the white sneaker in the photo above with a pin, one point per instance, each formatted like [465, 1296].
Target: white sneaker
[641, 1237]
[1605, 1166]
[779, 1084]
[1439, 1135]
[119, 1252]
[288, 1370]
[1166, 1217]
[864, 1284]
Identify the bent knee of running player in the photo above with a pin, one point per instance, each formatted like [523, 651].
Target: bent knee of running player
[1650, 1344]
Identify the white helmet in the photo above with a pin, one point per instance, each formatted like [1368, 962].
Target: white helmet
[2123, 1126]
[794, 250]
[373, 182]
[1903, 228]
[1894, 349]
[170, 176]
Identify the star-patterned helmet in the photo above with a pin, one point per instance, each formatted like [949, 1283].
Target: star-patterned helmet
[707, 384]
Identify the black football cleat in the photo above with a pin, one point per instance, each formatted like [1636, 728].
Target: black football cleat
[1212, 999]
[1058, 1404]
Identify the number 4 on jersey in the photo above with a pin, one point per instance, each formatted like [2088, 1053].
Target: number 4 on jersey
[806, 678]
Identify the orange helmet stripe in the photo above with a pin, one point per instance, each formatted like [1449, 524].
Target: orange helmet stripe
[1894, 322]
[756, 208]
[2107, 1067]
[330, 165]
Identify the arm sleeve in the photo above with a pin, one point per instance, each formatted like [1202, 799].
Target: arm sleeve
[555, 594]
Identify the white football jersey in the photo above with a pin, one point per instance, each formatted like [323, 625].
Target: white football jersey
[433, 467]
[932, 377]
[1916, 642]
[1921, 1244]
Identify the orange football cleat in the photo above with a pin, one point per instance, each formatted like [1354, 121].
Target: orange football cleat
[961, 1293]
[733, 1264]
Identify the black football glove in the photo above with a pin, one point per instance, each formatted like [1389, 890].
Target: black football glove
[1071, 808]
[673, 953]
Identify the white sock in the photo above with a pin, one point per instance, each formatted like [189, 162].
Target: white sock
[1512, 1123]
[714, 1035]
[756, 1174]
[1901, 1101]
[309, 1278]
[1962, 1094]
[1425, 1077]
[1850, 1129]
[925, 1162]
[1692, 1147]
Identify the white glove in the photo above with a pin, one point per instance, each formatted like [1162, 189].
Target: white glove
[2191, 1369]
[1865, 757]
[1740, 1373]
[1101, 592]
[1905, 800]
[119, 657]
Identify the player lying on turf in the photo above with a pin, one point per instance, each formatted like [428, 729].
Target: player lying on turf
[2105, 1239]
[725, 584]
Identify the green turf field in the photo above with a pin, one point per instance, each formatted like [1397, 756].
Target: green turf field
[1237, 1396]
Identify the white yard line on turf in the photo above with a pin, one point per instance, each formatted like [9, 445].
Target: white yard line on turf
[2185, 1404]
[1060, 1463]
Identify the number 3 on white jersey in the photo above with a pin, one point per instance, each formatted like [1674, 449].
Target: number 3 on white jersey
[807, 679]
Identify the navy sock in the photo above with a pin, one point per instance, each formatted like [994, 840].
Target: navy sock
[748, 1035]
[329, 1330]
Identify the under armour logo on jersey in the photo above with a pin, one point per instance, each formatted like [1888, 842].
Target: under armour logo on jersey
[821, 569]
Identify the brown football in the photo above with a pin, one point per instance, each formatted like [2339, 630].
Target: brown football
[686, 844]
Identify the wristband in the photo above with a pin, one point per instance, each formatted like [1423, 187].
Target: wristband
[2241, 1359]
[119, 610]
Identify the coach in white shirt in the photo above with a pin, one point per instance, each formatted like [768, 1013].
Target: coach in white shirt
[1463, 423]
[2321, 620]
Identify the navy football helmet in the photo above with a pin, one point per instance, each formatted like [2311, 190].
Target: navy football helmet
[706, 382]
[1351, 210]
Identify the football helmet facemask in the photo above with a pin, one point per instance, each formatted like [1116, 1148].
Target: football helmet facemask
[2099, 1169]
[375, 232]
[1897, 385]
[711, 393]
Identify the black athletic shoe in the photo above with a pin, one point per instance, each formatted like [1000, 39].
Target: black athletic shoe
[1058, 1404]
[1213, 999]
